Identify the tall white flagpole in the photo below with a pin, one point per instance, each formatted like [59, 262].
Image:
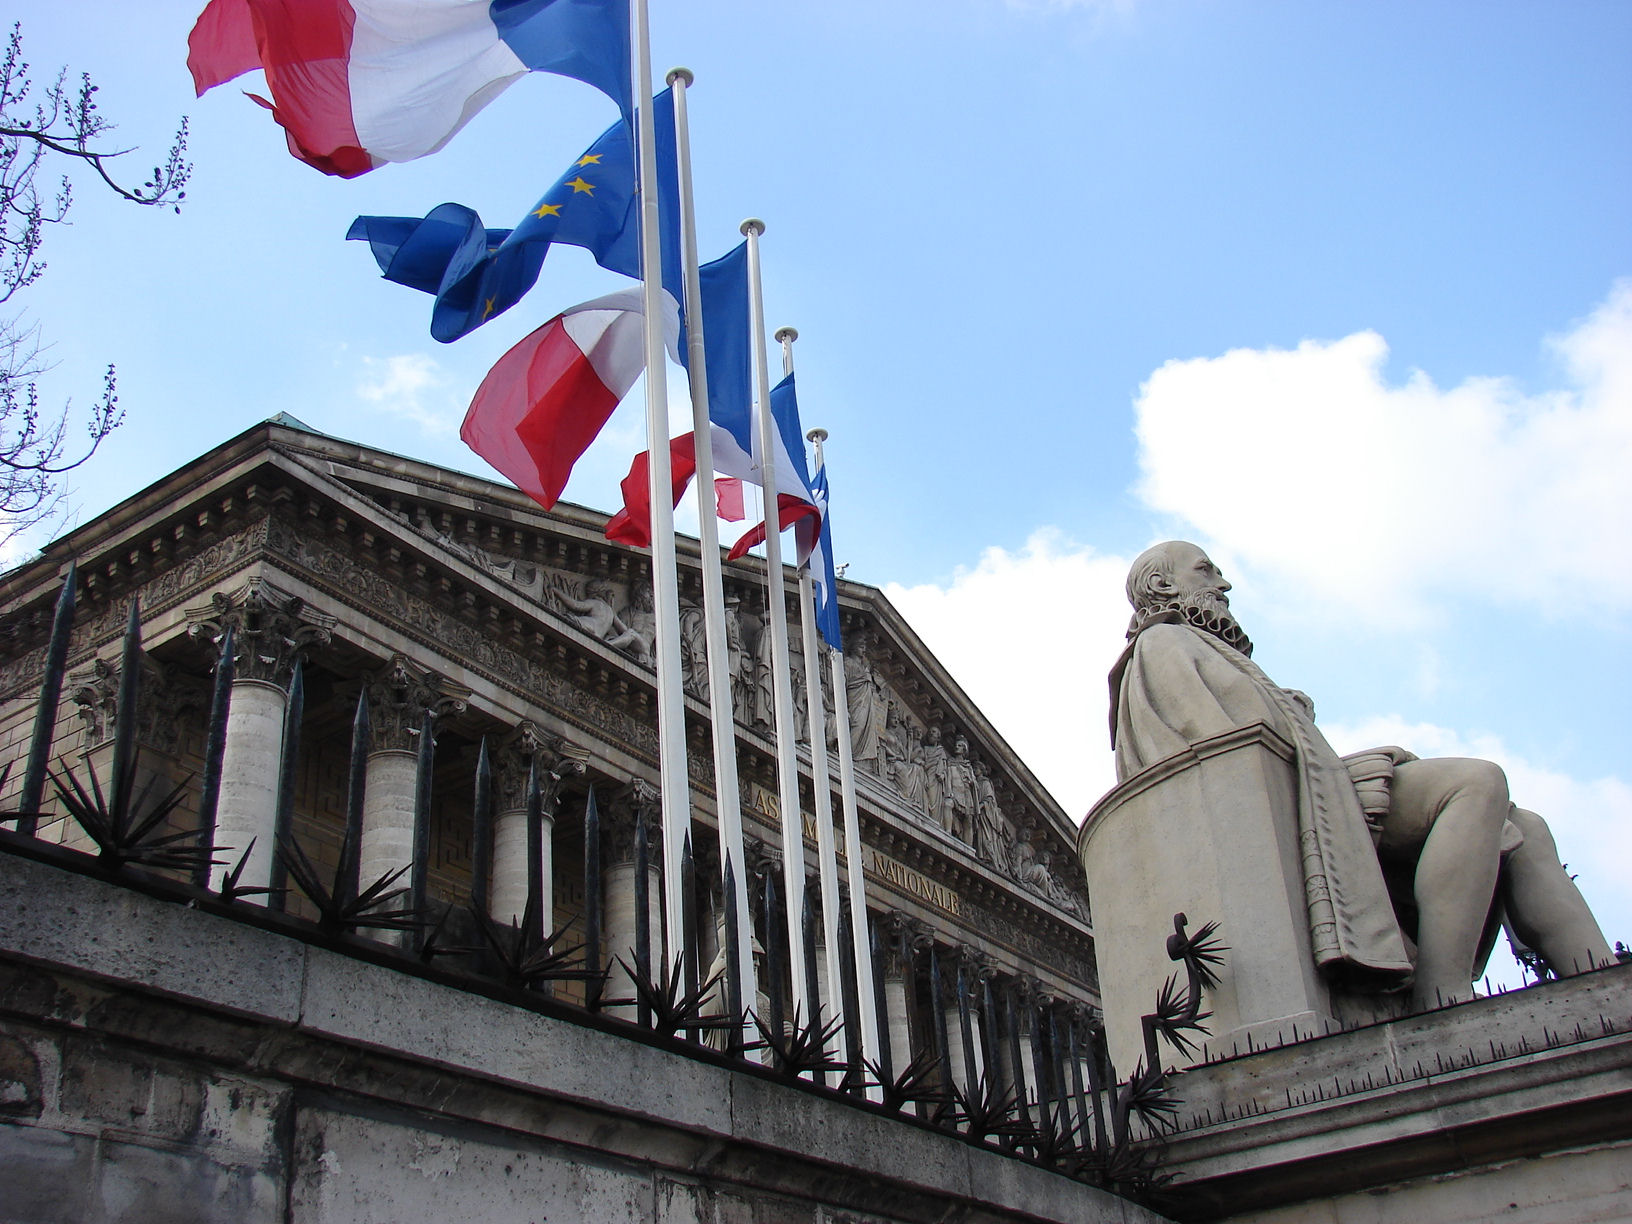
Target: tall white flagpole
[860, 937]
[787, 762]
[671, 708]
[826, 853]
[721, 712]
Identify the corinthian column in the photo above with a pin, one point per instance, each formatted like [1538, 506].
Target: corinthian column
[523, 750]
[897, 969]
[270, 630]
[641, 804]
[399, 696]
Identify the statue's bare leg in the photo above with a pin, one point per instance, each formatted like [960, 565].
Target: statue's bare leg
[1544, 905]
[1448, 812]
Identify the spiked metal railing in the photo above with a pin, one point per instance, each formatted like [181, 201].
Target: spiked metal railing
[1056, 1102]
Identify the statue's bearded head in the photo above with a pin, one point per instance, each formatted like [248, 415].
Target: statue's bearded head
[1178, 577]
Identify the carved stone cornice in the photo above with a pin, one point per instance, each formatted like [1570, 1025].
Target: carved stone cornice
[539, 676]
[271, 629]
[399, 695]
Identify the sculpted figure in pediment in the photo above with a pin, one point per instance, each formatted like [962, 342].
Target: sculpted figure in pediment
[960, 791]
[869, 709]
[741, 663]
[641, 623]
[764, 687]
[994, 835]
[596, 615]
[933, 759]
[909, 776]
[693, 650]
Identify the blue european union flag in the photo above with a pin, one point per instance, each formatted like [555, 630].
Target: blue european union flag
[477, 274]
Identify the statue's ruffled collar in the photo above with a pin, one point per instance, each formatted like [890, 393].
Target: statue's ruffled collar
[1225, 628]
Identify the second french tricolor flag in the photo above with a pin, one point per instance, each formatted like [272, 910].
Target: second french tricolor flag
[544, 401]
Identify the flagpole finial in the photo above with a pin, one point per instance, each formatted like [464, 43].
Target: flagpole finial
[817, 435]
[684, 75]
[789, 334]
[755, 227]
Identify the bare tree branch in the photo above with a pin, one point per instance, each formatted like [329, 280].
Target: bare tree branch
[62, 124]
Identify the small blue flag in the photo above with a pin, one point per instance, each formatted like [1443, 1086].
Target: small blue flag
[821, 568]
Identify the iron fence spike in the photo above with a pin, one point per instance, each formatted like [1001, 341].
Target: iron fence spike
[215, 750]
[45, 712]
[283, 819]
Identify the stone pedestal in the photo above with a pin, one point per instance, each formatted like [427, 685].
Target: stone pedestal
[1211, 833]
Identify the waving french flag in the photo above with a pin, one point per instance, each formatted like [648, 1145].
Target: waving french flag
[545, 400]
[357, 83]
[733, 428]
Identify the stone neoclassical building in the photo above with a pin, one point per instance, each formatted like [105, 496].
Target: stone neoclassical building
[173, 1048]
[425, 590]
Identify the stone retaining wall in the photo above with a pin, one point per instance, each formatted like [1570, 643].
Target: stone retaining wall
[159, 1063]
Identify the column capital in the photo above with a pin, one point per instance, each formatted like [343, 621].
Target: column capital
[920, 935]
[165, 702]
[400, 694]
[518, 750]
[1085, 1014]
[969, 958]
[1028, 991]
[271, 629]
[636, 802]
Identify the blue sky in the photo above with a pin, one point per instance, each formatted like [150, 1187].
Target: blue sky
[1338, 290]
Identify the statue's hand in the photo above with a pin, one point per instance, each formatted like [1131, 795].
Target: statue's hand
[1304, 702]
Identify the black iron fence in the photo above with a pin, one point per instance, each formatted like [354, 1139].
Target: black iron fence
[1016, 1074]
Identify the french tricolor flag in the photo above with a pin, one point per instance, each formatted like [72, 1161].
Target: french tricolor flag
[544, 401]
[356, 83]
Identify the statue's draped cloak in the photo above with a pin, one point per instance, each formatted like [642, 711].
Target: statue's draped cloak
[1175, 686]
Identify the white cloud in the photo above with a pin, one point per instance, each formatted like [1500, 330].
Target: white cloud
[1591, 819]
[1384, 500]
[412, 386]
[1012, 631]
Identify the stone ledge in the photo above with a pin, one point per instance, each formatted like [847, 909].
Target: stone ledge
[1433, 1094]
[131, 970]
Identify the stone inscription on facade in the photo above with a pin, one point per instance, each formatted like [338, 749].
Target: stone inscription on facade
[763, 803]
[912, 882]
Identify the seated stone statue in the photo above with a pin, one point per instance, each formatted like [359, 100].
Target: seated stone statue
[1443, 832]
